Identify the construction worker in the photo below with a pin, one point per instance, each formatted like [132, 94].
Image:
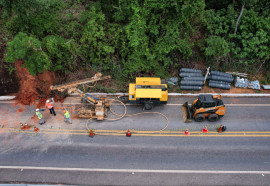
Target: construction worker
[67, 116]
[50, 106]
[40, 117]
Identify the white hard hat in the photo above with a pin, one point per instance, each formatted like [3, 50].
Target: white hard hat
[47, 101]
[37, 110]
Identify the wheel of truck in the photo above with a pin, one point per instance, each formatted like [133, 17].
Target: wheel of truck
[213, 117]
[199, 117]
[124, 99]
[148, 106]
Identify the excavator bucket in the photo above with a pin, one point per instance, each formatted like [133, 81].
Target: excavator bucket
[187, 113]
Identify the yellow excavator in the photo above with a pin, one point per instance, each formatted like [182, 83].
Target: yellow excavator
[206, 106]
[99, 106]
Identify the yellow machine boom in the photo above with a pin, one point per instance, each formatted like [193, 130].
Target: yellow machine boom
[95, 78]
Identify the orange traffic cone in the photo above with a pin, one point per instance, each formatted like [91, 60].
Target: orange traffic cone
[220, 128]
[36, 129]
[128, 134]
[205, 130]
[91, 134]
[186, 132]
[27, 127]
[22, 127]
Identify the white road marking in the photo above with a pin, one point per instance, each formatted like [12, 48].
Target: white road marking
[135, 170]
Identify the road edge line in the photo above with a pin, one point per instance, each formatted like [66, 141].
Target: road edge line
[134, 170]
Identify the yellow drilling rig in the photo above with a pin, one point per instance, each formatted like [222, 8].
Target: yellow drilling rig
[98, 108]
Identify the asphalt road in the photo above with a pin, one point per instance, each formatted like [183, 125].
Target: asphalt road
[64, 154]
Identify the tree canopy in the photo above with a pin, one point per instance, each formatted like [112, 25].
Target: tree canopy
[131, 37]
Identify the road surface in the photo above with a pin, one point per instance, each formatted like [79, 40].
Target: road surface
[65, 154]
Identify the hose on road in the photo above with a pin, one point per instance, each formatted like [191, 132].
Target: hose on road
[130, 115]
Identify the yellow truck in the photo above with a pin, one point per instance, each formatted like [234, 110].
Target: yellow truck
[148, 91]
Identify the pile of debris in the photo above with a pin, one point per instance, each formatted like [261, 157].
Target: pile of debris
[192, 79]
[220, 80]
[33, 88]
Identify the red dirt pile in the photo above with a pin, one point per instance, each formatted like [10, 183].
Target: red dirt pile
[33, 88]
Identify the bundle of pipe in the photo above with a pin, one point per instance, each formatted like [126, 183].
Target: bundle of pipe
[192, 79]
[219, 84]
[187, 74]
[193, 83]
[218, 73]
[220, 80]
[190, 70]
[188, 87]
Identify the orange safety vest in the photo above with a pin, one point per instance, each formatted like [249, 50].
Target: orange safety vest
[49, 105]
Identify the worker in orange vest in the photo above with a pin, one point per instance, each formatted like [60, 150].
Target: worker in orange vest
[49, 104]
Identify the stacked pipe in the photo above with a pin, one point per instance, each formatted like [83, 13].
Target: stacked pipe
[220, 80]
[192, 79]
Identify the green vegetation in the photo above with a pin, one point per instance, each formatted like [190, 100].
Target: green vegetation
[127, 38]
[29, 50]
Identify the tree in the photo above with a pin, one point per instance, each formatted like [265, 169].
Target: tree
[37, 17]
[28, 49]
[216, 47]
[97, 38]
[62, 53]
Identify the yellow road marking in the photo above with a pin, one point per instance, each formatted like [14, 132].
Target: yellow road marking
[145, 131]
[151, 134]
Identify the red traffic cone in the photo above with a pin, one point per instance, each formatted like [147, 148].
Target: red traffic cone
[36, 129]
[22, 127]
[128, 134]
[220, 128]
[91, 134]
[205, 130]
[186, 132]
[27, 127]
